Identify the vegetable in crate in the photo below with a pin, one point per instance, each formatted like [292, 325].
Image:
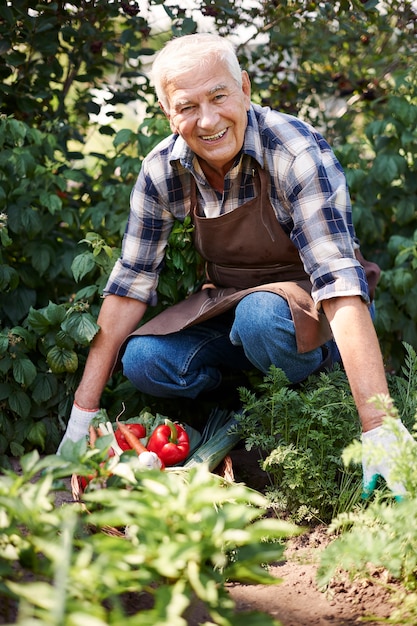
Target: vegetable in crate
[137, 429]
[170, 442]
[148, 458]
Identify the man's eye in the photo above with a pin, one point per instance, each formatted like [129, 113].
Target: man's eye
[219, 97]
[187, 108]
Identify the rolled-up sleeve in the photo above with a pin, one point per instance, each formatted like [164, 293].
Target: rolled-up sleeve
[316, 190]
[136, 272]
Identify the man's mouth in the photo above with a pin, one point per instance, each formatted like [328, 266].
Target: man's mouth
[214, 137]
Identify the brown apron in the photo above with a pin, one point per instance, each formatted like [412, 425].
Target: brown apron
[246, 250]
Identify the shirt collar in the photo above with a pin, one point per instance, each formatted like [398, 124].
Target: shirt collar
[252, 145]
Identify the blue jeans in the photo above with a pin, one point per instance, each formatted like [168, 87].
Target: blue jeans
[258, 333]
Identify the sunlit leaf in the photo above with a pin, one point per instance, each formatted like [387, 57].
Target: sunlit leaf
[61, 360]
[81, 327]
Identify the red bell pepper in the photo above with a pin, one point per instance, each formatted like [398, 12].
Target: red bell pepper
[170, 442]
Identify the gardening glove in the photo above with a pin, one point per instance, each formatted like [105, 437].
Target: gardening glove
[380, 447]
[78, 424]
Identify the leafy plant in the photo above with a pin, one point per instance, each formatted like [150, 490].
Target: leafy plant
[209, 532]
[35, 226]
[380, 535]
[38, 363]
[53, 56]
[302, 433]
[381, 169]
[403, 387]
[375, 538]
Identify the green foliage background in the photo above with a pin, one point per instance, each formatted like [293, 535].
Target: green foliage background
[78, 116]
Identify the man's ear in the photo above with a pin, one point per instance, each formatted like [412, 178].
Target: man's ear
[163, 108]
[174, 130]
[246, 88]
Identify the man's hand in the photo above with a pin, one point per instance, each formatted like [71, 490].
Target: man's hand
[78, 424]
[381, 447]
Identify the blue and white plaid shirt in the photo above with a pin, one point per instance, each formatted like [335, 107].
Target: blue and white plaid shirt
[308, 191]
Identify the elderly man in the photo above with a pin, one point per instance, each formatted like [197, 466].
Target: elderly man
[272, 219]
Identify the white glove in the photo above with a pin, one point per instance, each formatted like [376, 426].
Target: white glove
[381, 446]
[78, 424]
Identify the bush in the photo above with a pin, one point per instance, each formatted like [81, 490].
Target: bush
[66, 564]
[379, 536]
[302, 434]
[381, 172]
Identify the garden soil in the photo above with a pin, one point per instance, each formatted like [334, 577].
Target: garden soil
[296, 599]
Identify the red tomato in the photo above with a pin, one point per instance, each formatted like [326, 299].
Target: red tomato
[137, 429]
[84, 480]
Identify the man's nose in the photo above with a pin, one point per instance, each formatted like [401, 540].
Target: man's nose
[208, 116]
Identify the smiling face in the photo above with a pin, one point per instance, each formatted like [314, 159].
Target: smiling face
[208, 109]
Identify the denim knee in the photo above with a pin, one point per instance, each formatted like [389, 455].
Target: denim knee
[137, 362]
[264, 327]
[260, 316]
[164, 367]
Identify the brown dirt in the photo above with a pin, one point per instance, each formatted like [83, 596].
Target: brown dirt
[296, 600]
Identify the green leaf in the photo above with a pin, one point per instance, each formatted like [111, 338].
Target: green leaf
[81, 327]
[7, 14]
[5, 364]
[82, 265]
[86, 292]
[186, 27]
[75, 175]
[25, 163]
[16, 449]
[42, 320]
[4, 238]
[72, 450]
[371, 4]
[61, 360]
[4, 444]
[31, 222]
[37, 434]
[28, 337]
[4, 343]
[406, 210]
[24, 371]
[123, 136]
[44, 387]
[51, 201]
[55, 313]
[30, 461]
[38, 321]
[402, 110]
[19, 402]
[5, 389]
[63, 340]
[17, 303]
[9, 278]
[387, 167]
[38, 593]
[42, 259]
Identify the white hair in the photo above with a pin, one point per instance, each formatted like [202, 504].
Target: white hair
[183, 54]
